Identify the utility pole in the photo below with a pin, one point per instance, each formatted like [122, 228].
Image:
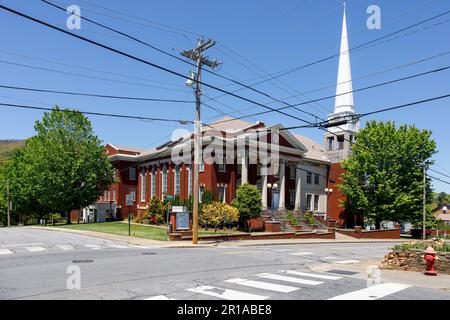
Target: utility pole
[424, 236]
[8, 201]
[197, 56]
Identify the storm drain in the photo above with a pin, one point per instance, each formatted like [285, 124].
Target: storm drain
[148, 253]
[343, 272]
[82, 261]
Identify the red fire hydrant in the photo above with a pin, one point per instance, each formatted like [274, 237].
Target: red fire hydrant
[430, 257]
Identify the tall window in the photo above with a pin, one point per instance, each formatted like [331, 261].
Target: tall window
[200, 194]
[190, 180]
[222, 192]
[153, 182]
[308, 201]
[176, 180]
[340, 141]
[222, 167]
[291, 196]
[201, 166]
[143, 185]
[330, 143]
[164, 180]
[316, 202]
[309, 177]
[292, 173]
[132, 175]
[114, 195]
[316, 178]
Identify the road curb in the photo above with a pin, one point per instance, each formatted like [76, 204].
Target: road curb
[171, 244]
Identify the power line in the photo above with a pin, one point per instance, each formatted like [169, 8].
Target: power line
[96, 113]
[87, 76]
[356, 90]
[438, 179]
[443, 174]
[93, 95]
[140, 60]
[362, 45]
[88, 69]
[403, 106]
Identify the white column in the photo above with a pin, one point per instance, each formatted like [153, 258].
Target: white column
[282, 186]
[244, 171]
[264, 192]
[298, 188]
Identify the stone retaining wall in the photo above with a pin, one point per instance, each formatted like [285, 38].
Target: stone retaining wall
[413, 260]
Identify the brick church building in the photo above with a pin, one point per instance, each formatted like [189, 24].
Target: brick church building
[290, 170]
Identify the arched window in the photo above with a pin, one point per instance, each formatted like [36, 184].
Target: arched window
[153, 191]
[164, 180]
[176, 180]
[143, 185]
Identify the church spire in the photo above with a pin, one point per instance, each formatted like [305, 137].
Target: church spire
[344, 102]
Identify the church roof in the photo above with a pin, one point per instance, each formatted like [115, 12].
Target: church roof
[314, 151]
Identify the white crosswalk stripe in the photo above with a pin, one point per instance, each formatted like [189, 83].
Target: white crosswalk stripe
[301, 253]
[118, 246]
[262, 285]
[5, 251]
[372, 293]
[226, 294]
[93, 246]
[312, 275]
[346, 261]
[35, 249]
[65, 247]
[159, 297]
[288, 279]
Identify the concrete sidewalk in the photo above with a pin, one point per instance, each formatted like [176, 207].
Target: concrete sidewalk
[202, 244]
[412, 278]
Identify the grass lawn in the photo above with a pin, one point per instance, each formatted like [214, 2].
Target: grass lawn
[141, 231]
[149, 232]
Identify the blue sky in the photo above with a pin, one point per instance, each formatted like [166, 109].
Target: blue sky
[273, 35]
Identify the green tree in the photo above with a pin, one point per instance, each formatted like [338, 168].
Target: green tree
[441, 199]
[248, 202]
[384, 175]
[63, 167]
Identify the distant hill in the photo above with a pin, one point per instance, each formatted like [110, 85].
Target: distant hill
[7, 147]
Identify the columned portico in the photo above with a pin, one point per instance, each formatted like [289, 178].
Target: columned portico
[244, 171]
[282, 205]
[264, 192]
[298, 188]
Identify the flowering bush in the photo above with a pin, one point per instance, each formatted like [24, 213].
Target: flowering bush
[217, 213]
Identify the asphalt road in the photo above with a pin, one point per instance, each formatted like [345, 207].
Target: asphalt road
[38, 264]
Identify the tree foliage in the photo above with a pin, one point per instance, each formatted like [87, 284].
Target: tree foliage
[384, 175]
[157, 209]
[217, 213]
[63, 167]
[248, 201]
[441, 199]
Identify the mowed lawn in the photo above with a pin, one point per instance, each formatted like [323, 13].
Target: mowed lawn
[141, 231]
[144, 231]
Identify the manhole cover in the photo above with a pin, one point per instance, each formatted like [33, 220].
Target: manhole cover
[344, 272]
[82, 261]
[148, 253]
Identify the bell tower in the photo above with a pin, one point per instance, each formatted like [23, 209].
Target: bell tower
[337, 144]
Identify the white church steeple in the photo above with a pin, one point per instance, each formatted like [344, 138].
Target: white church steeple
[344, 102]
[338, 139]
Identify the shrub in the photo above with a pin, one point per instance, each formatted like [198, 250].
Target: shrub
[157, 209]
[312, 221]
[307, 216]
[248, 201]
[216, 213]
[437, 244]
